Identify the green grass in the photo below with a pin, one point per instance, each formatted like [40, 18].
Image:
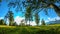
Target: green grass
[5, 26]
[50, 29]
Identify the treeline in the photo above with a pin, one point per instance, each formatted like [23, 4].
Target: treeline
[10, 18]
[32, 9]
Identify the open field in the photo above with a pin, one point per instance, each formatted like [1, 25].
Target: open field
[50, 29]
[7, 26]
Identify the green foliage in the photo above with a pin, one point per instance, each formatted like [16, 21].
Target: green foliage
[10, 17]
[37, 18]
[2, 22]
[28, 14]
[43, 4]
[35, 4]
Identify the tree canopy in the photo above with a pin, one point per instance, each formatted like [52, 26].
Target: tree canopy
[33, 6]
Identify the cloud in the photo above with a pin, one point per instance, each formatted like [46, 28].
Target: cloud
[1, 18]
[18, 19]
[31, 23]
[57, 18]
[52, 19]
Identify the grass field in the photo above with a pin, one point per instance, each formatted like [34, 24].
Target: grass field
[7, 26]
[50, 29]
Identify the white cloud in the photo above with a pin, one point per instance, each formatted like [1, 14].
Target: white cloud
[1, 17]
[48, 18]
[46, 21]
[53, 19]
[18, 19]
[31, 23]
[57, 18]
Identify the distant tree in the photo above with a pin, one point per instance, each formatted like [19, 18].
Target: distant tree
[10, 17]
[2, 22]
[37, 19]
[43, 22]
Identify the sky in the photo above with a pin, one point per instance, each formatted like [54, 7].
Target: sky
[18, 15]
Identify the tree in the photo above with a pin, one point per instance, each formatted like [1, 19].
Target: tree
[43, 22]
[2, 22]
[36, 4]
[57, 9]
[45, 4]
[28, 14]
[37, 19]
[10, 17]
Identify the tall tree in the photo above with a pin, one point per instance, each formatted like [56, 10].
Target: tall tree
[37, 19]
[10, 17]
[28, 14]
[2, 22]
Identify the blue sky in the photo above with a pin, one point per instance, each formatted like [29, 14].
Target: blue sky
[4, 9]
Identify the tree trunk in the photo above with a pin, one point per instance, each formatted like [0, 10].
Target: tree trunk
[29, 22]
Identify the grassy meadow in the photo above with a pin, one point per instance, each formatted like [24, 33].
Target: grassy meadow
[50, 29]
